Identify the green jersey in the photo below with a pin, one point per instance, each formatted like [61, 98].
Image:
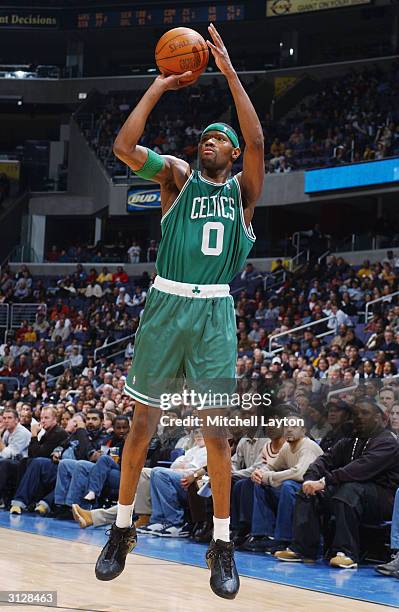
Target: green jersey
[204, 237]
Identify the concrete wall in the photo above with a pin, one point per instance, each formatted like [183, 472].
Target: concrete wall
[261, 264]
[65, 91]
[62, 269]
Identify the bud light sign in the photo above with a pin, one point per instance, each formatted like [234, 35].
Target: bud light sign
[143, 199]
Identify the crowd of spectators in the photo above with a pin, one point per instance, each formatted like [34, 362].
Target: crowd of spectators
[352, 118]
[133, 251]
[77, 417]
[173, 127]
[349, 119]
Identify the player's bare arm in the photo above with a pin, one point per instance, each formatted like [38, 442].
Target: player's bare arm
[172, 172]
[252, 176]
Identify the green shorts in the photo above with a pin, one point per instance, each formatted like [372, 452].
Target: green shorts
[186, 336]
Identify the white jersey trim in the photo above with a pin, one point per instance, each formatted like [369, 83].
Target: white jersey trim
[188, 181]
[211, 182]
[249, 232]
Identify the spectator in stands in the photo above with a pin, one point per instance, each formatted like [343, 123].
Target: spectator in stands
[134, 253]
[72, 473]
[40, 476]
[389, 345]
[26, 416]
[14, 442]
[387, 398]
[106, 470]
[337, 317]
[338, 417]
[120, 277]
[168, 491]
[105, 276]
[93, 290]
[152, 251]
[123, 298]
[276, 485]
[358, 477]
[139, 296]
[242, 492]
[317, 414]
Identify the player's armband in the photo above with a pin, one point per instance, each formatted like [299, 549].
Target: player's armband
[153, 164]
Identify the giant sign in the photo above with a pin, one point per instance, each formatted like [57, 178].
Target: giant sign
[278, 8]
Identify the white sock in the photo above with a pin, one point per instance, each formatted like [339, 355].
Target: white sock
[90, 496]
[221, 529]
[124, 516]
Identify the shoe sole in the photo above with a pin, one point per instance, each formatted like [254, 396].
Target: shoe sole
[384, 572]
[289, 560]
[353, 566]
[142, 532]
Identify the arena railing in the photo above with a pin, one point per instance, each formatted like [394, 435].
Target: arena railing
[102, 351]
[294, 330]
[341, 390]
[323, 256]
[49, 377]
[274, 279]
[7, 379]
[294, 262]
[383, 298]
[25, 312]
[4, 318]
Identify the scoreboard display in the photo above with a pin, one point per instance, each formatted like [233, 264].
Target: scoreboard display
[158, 16]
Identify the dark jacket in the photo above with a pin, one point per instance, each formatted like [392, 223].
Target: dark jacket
[47, 443]
[375, 459]
[97, 438]
[78, 441]
[335, 435]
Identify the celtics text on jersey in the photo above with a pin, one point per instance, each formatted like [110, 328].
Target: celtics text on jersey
[204, 236]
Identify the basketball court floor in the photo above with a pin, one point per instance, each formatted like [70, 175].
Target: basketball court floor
[169, 575]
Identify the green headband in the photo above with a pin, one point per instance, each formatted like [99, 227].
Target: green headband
[222, 127]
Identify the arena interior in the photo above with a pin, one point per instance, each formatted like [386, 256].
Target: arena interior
[316, 306]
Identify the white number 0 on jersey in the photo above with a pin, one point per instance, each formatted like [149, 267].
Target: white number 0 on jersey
[206, 234]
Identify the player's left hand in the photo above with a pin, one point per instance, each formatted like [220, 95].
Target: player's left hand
[219, 51]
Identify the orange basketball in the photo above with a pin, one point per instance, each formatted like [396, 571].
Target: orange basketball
[182, 49]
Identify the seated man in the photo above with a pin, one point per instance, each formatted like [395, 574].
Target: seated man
[14, 442]
[338, 416]
[245, 462]
[106, 471]
[168, 491]
[39, 479]
[73, 476]
[276, 485]
[354, 482]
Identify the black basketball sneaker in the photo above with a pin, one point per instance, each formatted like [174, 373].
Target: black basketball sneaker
[224, 581]
[111, 561]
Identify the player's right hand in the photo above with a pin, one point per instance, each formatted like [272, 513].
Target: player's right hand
[174, 81]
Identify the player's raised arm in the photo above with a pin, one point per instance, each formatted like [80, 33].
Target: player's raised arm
[251, 178]
[145, 162]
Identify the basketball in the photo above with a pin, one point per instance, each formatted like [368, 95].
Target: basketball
[182, 49]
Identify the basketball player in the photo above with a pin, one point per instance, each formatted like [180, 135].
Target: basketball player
[189, 319]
